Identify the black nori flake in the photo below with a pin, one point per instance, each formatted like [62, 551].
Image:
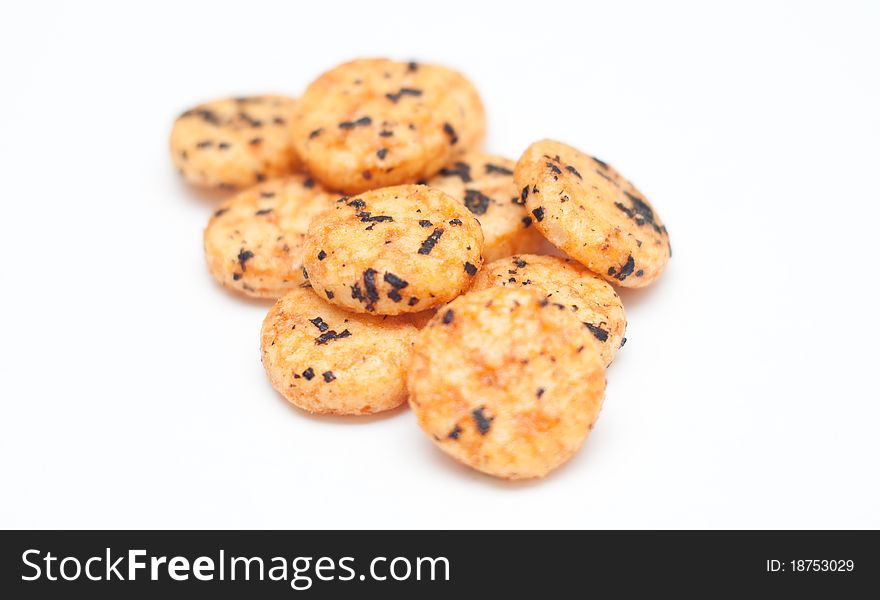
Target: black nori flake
[395, 281]
[638, 211]
[322, 255]
[622, 342]
[490, 168]
[260, 177]
[403, 92]
[412, 66]
[309, 373]
[460, 169]
[641, 208]
[574, 171]
[482, 421]
[353, 124]
[220, 212]
[601, 163]
[305, 273]
[425, 223]
[368, 218]
[413, 301]
[395, 295]
[243, 257]
[331, 335]
[263, 211]
[520, 263]
[250, 120]
[319, 323]
[539, 392]
[554, 168]
[639, 273]
[598, 332]
[455, 222]
[382, 152]
[357, 204]
[236, 276]
[255, 141]
[315, 133]
[470, 269]
[329, 294]
[309, 183]
[328, 376]
[526, 221]
[626, 270]
[205, 144]
[534, 189]
[448, 316]
[539, 213]
[448, 130]
[222, 146]
[207, 116]
[456, 431]
[476, 201]
[386, 133]
[603, 175]
[524, 195]
[431, 241]
[370, 285]
[356, 293]
[278, 121]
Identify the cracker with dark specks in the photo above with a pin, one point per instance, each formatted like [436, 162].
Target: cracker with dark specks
[326, 360]
[254, 241]
[233, 143]
[484, 184]
[394, 250]
[505, 383]
[374, 122]
[567, 286]
[588, 210]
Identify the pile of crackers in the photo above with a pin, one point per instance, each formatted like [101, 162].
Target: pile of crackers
[410, 266]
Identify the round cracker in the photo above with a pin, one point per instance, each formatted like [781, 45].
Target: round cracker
[505, 383]
[375, 122]
[234, 143]
[326, 360]
[568, 286]
[484, 184]
[587, 209]
[394, 250]
[254, 241]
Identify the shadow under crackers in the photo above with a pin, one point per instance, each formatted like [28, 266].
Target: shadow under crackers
[346, 420]
[239, 296]
[635, 297]
[205, 196]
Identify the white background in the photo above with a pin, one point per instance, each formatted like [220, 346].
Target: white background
[132, 393]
